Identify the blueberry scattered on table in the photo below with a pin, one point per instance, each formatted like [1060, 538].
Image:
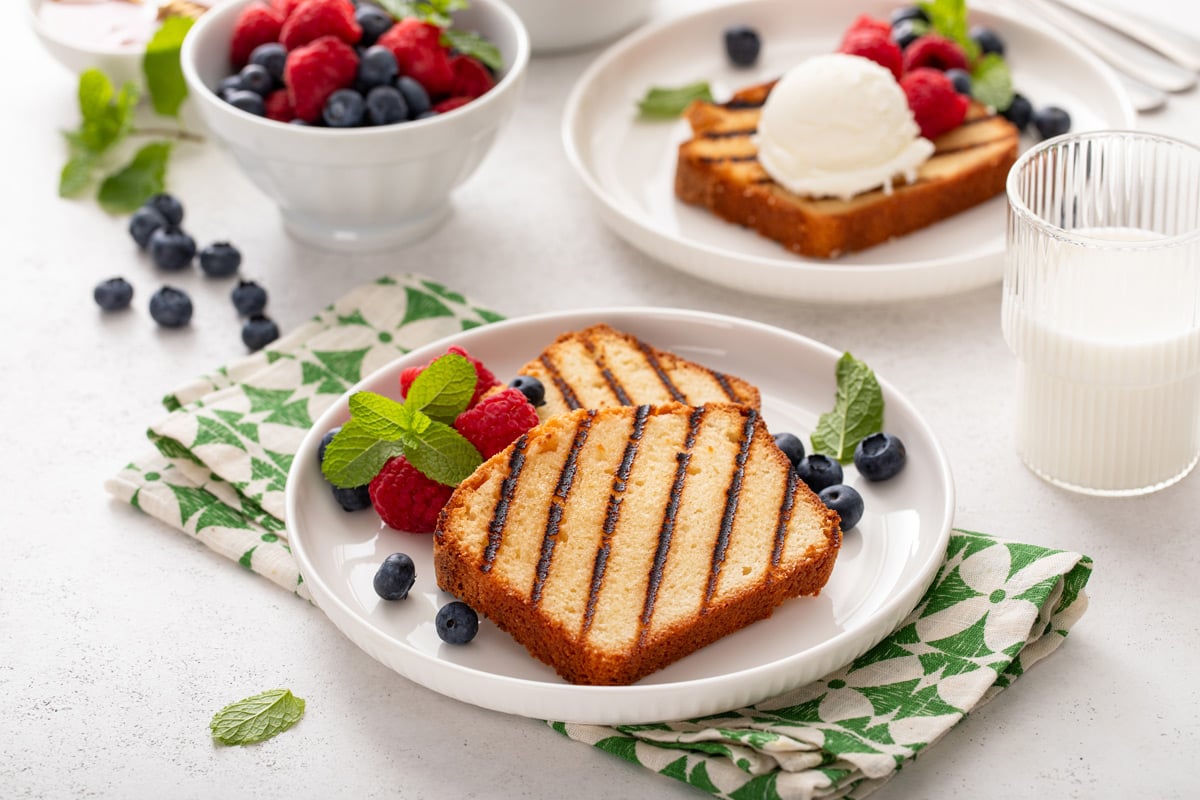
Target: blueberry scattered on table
[1051, 121]
[272, 56]
[171, 249]
[256, 78]
[386, 105]
[961, 80]
[344, 109]
[171, 307]
[250, 102]
[457, 623]
[988, 40]
[742, 45]
[791, 446]
[880, 456]
[1019, 111]
[819, 471]
[113, 294]
[168, 206]
[415, 96]
[249, 298]
[145, 221]
[531, 387]
[220, 260]
[259, 331]
[374, 22]
[846, 501]
[395, 577]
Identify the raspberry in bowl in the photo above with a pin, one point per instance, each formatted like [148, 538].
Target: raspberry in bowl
[303, 94]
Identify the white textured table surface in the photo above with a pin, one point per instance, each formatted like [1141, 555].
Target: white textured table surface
[119, 638]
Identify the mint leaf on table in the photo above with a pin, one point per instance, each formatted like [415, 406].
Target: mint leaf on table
[857, 411]
[160, 65]
[107, 114]
[444, 388]
[144, 176]
[991, 82]
[474, 45]
[949, 18]
[441, 453]
[667, 103]
[257, 718]
[355, 456]
[76, 174]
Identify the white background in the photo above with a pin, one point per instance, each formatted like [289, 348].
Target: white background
[119, 637]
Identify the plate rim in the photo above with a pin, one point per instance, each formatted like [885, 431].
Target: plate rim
[635, 228]
[894, 609]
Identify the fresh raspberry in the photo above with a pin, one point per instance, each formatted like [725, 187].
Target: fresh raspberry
[484, 379]
[878, 47]
[279, 107]
[316, 70]
[313, 19]
[497, 421]
[418, 50]
[405, 499]
[257, 24]
[865, 22]
[450, 103]
[471, 78]
[935, 104]
[934, 51]
[285, 7]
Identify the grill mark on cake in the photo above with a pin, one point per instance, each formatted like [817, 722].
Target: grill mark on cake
[738, 105]
[652, 360]
[727, 386]
[566, 479]
[729, 134]
[516, 462]
[615, 385]
[564, 388]
[745, 159]
[613, 511]
[731, 504]
[667, 530]
[785, 516]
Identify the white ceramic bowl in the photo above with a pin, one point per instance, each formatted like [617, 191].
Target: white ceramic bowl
[360, 188]
[119, 63]
[560, 25]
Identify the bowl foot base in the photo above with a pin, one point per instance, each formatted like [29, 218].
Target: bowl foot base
[363, 240]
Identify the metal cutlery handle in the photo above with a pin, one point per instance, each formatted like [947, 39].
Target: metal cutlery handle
[1139, 30]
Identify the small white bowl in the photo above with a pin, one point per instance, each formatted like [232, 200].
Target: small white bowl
[556, 26]
[120, 63]
[358, 189]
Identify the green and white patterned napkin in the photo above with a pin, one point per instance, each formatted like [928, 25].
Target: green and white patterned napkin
[994, 609]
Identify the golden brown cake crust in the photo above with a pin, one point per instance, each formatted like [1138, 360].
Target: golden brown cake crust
[718, 169]
[577, 658]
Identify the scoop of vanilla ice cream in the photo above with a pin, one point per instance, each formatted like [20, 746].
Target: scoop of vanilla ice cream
[838, 125]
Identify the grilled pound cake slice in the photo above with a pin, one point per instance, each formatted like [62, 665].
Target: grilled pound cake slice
[718, 169]
[611, 543]
[600, 366]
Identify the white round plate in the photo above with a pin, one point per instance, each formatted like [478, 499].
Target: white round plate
[629, 164]
[885, 564]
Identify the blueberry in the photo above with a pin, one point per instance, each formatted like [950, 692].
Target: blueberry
[113, 294]
[908, 13]
[171, 307]
[343, 109]
[259, 331]
[988, 40]
[742, 45]
[791, 446]
[846, 501]
[377, 67]
[414, 95]
[961, 80]
[167, 205]
[907, 31]
[172, 249]
[250, 102]
[1019, 111]
[374, 22]
[249, 298]
[353, 499]
[1051, 121]
[255, 78]
[230, 83]
[819, 471]
[272, 56]
[220, 260]
[879, 456]
[395, 577]
[325, 440]
[385, 106]
[457, 623]
[531, 387]
[145, 221]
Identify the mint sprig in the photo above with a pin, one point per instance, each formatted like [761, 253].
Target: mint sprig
[440, 13]
[419, 429]
[991, 82]
[857, 411]
[474, 45]
[257, 718]
[668, 103]
[949, 18]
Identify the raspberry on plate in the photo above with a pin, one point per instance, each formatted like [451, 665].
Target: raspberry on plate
[865, 22]
[316, 70]
[471, 78]
[313, 19]
[877, 47]
[497, 421]
[257, 24]
[934, 51]
[484, 379]
[405, 499]
[935, 103]
[418, 50]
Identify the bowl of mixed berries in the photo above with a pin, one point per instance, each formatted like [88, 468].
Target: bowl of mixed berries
[357, 119]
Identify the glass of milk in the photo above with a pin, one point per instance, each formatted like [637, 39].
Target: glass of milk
[1102, 309]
